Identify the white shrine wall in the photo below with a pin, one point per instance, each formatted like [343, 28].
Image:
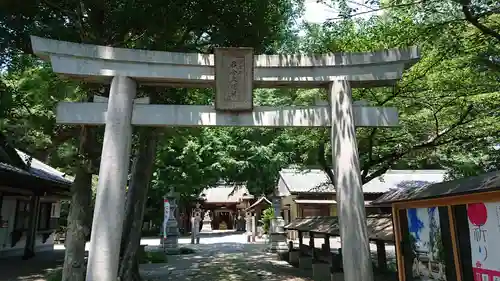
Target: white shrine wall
[8, 214]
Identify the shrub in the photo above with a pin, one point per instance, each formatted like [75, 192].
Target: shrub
[267, 216]
[153, 257]
[54, 275]
[186, 251]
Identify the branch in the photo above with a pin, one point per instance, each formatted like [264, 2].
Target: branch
[472, 19]
[377, 10]
[125, 42]
[371, 138]
[76, 16]
[390, 158]
[424, 73]
[377, 173]
[471, 91]
[436, 121]
[396, 90]
[388, 164]
[370, 91]
[323, 162]
[61, 136]
[460, 121]
[360, 4]
[55, 6]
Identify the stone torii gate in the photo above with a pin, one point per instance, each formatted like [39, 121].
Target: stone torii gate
[234, 72]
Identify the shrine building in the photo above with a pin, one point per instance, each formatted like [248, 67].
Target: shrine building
[30, 194]
[227, 204]
[309, 192]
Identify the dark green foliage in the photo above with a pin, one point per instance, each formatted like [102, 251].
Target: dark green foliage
[267, 216]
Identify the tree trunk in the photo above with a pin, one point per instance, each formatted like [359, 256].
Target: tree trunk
[142, 171]
[78, 226]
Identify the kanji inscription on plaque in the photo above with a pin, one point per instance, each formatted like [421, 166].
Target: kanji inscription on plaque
[233, 79]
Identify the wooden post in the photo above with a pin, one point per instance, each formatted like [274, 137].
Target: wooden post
[327, 248]
[1, 204]
[327, 242]
[381, 256]
[397, 242]
[311, 245]
[254, 228]
[301, 241]
[456, 256]
[29, 248]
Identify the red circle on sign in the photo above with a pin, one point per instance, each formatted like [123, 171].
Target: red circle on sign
[477, 213]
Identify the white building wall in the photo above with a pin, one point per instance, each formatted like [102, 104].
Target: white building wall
[8, 214]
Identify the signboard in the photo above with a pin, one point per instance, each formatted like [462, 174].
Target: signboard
[484, 229]
[427, 247]
[233, 79]
[166, 216]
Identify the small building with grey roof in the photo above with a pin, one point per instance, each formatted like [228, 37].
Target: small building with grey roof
[30, 192]
[309, 192]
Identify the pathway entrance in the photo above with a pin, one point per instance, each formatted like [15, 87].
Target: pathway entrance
[225, 261]
[218, 258]
[233, 73]
[225, 257]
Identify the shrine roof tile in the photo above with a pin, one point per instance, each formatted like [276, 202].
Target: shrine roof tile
[379, 226]
[412, 192]
[225, 193]
[316, 180]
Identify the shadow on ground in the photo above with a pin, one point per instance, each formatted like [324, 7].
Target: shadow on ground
[211, 262]
[35, 269]
[231, 262]
[225, 261]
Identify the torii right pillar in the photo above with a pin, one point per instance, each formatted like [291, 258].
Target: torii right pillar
[347, 181]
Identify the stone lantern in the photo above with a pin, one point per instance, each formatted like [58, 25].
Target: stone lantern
[248, 225]
[171, 228]
[195, 223]
[277, 229]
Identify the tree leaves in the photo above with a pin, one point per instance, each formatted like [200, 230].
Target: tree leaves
[448, 100]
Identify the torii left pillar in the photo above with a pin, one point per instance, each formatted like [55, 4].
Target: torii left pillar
[110, 200]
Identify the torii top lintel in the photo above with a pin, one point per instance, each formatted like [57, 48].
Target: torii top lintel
[100, 63]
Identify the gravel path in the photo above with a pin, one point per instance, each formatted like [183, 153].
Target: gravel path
[226, 257]
[225, 261]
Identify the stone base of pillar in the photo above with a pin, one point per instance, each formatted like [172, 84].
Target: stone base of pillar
[321, 272]
[278, 236]
[283, 256]
[278, 242]
[172, 245]
[337, 276]
[28, 254]
[195, 233]
[305, 262]
[293, 257]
